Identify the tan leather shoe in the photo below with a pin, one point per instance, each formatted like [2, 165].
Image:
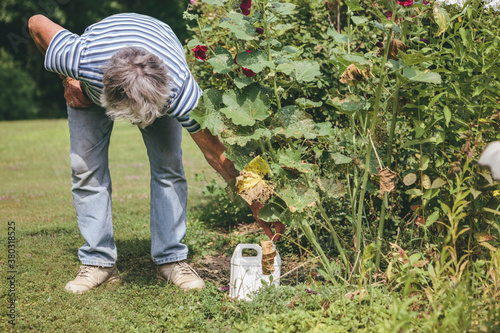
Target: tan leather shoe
[89, 277]
[180, 274]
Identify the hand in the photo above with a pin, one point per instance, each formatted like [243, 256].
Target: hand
[74, 96]
[278, 226]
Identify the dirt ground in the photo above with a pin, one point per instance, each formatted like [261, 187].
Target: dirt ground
[217, 268]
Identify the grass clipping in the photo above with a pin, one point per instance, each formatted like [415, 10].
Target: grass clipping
[250, 184]
[268, 254]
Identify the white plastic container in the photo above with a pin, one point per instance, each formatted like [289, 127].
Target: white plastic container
[246, 272]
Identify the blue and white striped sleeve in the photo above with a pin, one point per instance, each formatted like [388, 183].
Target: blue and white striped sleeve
[187, 101]
[63, 54]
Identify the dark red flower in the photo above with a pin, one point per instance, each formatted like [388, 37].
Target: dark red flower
[246, 71]
[245, 7]
[200, 52]
[426, 41]
[389, 15]
[260, 31]
[406, 3]
[426, 2]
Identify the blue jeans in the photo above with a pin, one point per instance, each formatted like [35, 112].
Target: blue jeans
[90, 131]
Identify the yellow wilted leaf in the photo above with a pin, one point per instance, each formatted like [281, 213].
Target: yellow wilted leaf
[441, 17]
[482, 237]
[409, 179]
[258, 166]
[426, 182]
[247, 180]
[353, 75]
[250, 184]
[388, 272]
[488, 246]
[386, 180]
[252, 174]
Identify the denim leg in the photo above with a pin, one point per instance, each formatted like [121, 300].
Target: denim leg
[168, 190]
[90, 131]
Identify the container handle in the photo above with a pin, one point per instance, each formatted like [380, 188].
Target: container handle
[239, 250]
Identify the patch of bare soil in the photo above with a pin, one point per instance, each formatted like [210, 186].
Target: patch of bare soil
[215, 269]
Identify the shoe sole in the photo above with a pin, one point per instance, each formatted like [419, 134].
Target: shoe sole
[113, 280]
[162, 279]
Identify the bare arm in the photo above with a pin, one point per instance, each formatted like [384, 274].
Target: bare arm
[42, 30]
[213, 150]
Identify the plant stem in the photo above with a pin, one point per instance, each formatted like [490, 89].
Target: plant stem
[369, 148]
[334, 235]
[269, 57]
[388, 162]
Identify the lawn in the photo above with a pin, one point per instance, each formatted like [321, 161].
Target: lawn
[35, 194]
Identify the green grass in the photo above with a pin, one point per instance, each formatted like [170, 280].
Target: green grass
[35, 193]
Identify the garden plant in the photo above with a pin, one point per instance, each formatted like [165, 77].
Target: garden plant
[368, 118]
[358, 124]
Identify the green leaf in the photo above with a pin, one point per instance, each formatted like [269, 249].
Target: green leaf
[242, 82]
[340, 159]
[273, 210]
[246, 107]
[222, 62]
[359, 20]
[193, 43]
[350, 104]
[419, 76]
[292, 160]
[302, 71]
[206, 113]
[424, 162]
[214, 2]
[306, 103]
[353, 5]
[239, 155]
[432, 218]
[419, 142]
[435, 99]
[438, 182]
[241, 28]
[324, 129]
[211, 121]
[447, 115]
[414, 58]
[283, 8]
[241, 139]
[298, 198]
[352, 58]
[441, 18]
[331, 188]
[256, 61]
[339, 38]
[292, 122]
[414, 191]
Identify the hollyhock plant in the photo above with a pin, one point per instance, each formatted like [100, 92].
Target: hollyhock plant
[246, 71]
[406, 3]
[200, 52]
[245, 7]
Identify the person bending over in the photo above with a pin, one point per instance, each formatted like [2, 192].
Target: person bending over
[132, 67]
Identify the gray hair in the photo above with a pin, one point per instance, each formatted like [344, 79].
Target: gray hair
[136, 86]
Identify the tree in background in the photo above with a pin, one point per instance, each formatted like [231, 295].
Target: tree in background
[27, 90]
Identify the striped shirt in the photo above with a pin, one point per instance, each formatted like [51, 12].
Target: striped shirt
[81, 58]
